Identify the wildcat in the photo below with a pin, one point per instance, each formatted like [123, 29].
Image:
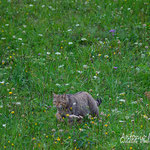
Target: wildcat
[75, 105]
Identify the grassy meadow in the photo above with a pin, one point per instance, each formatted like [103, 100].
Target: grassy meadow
[67, 46]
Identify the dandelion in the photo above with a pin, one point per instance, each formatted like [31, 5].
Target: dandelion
[141, 126]
[46, 136]
[106, 133]
[12, 112]
[92, 122]
[106, 125]
[36, 124]
[67, 115]
[69, 137]
[12, 144]
[4, 147]
[58, 139]
[33, 138]
[55, 142]
[99, 55]
[8, 141]
[131, 148]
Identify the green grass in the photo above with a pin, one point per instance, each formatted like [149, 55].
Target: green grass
[31, 68]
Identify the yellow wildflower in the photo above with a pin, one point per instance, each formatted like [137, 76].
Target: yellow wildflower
[67, 115]
[106, 125]
[10, 93]
[33, 138]
[58, 139]
[106, 133]
[12, 112]
[36, 124]
[4, 147]
[69, 137]
[12, 144]
[99, 55]
[130, 147]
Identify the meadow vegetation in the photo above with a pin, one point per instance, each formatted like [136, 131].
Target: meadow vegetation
[67, 46]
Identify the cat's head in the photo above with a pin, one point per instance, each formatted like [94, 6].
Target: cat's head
[60, 101]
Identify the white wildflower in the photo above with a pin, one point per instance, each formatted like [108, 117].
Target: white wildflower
[31, 5]
[43, 6]
[67, 84]
[4, 125]
[70, 43]
[1, 106]
[142, 55]
[24, 26]
[40, 34]
[83, 39]
[48, 53]
[122, 100]
[2, 82]
[57, 53]
[6, 25]
[69, 30]
[135, 102]
[85, 66]
[20, 39]
[137, 68]
[121, 121]
[77, 25]
[60, 66]
[18, 103]
[95, 77]
[106, 56]
[58, 85]
[79, 71]
[14, 36]
[3, 38]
